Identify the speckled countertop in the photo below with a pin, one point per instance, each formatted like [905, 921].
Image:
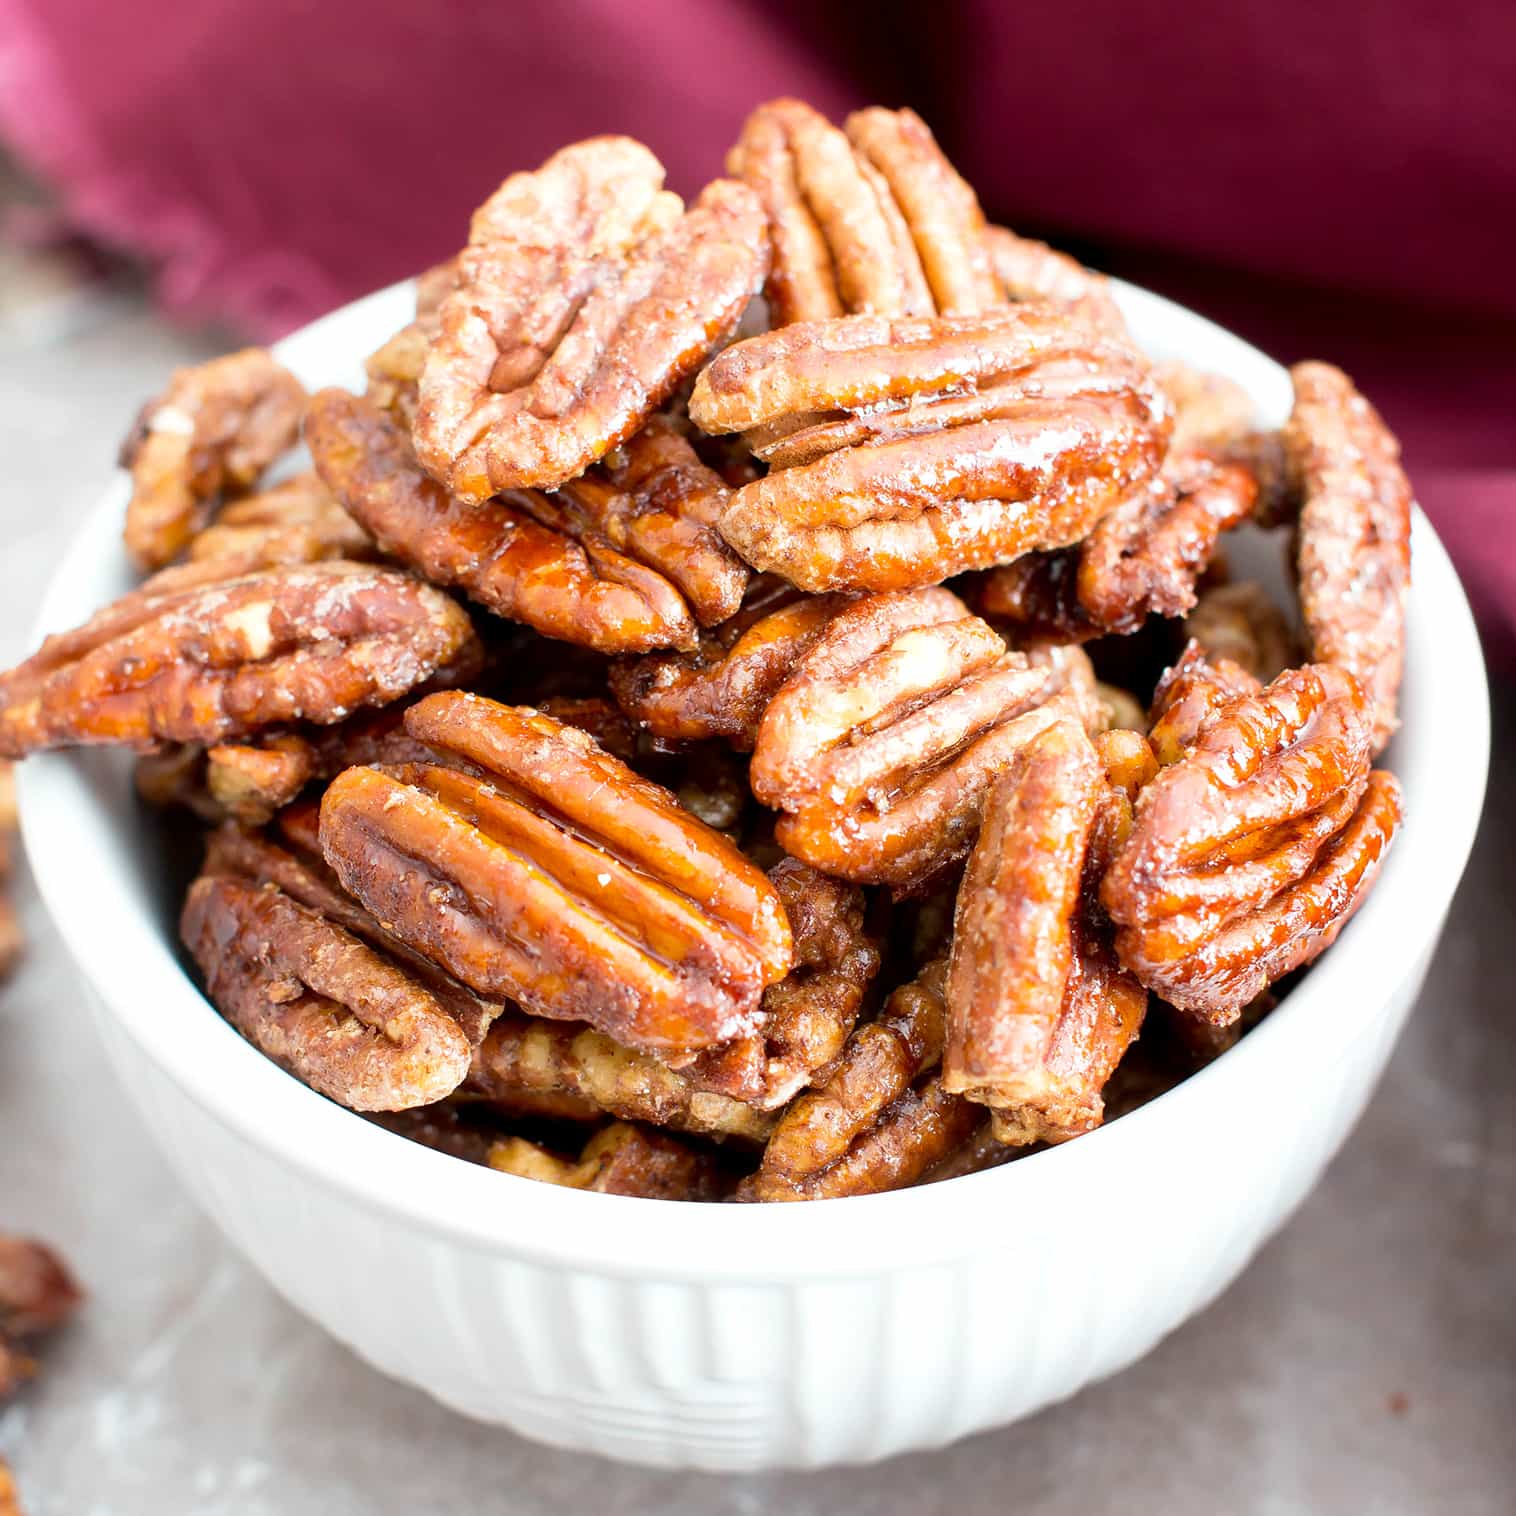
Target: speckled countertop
[1365, 1363]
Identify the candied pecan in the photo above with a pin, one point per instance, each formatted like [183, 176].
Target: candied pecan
[983, 1150]
[620, 1159]
[879, 746]
[904, 451]
[348, 1021]
[1188, 695]
[1353, 555]
[1250, 851]
[1038, 1012]
[1127, 758]
[1122, 708]
[555, 562]
[294, 522]
[443, 1128]
[37, 1295]
[723, 687]
[211, 433]
[305, 642]
[586, 295]
[1242, 624]
[560, 879]
[1031, 270]
[393, 371]
[522, 1057]
[1211, 412]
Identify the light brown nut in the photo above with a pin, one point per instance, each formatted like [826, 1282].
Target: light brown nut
[1211, 412]
[723, 687]
[1249, 852]
[880, 745]
[210, 434]
[618, 1160]
[294, 522]
[559, 879]
[1188, 695]
[523, 1057]
[349, 1022]
[1031, 270]
[1038, 1012]
[593, 564]
[445, 1127]
[1122, 708]
[308, 642]
[1353, 555]
[393, 371]
[10, 1498]
[905, 451]
[586, 295]
[1241, 623]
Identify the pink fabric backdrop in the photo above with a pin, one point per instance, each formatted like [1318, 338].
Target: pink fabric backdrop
[1333, 179]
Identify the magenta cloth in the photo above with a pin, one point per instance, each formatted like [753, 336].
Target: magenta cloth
[1333, 179]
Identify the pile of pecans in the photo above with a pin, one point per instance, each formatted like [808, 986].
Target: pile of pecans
[750, 702]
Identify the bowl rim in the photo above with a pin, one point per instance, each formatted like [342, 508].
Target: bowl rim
[141, 985]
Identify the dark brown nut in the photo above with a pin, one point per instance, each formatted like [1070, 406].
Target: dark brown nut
[307, 642]
[905, 451]
[1240, 623]
[1211, 412]
[294, 522]
[1353, 554]
[1038, 1012]
[586, 296]
[523, 1057]
[210, 434]
[349, 1022]
[1031, 270]
[560, 879]
[723, 687]
[808, 1015]
[1188, 695]
[551, 561]
[880, 745]
[1249, 852]
[618, 1160]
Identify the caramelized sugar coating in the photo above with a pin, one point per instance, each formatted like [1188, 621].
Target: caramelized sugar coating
[1353, 554]
[209, 435]
[586, 295]
[295, 522]
[903, 451]
[880, 745]
[1251, 850]
[1031, 270]
[559, 879]
[1241, 623]
[619, 1159]
[348, 1021]
[1188, 695]
[216, 660]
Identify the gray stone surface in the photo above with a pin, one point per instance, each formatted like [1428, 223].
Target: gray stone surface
[1366, 1363]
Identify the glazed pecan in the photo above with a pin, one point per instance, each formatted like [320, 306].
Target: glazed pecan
[37, 1295]
[903, 451]
[1188, 695]
[586, 295]
[619, 568]
[1240, 623]
[879, 746]
[1127, 758]
[723, 687]
[1038, 1012]
[1250, 851]
[308, 642]
[1353, 555]
[559, 879]
[12, 942]
[348, 1021]
[294, 522]
[210, 434]
[618, 1160]
[1031, 270]
[1211, 412]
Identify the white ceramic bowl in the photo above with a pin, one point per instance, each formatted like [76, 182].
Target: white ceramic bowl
[751, 1337]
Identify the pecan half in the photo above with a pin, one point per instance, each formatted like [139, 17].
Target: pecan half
[880, 745]
[1039, 1012]
[308, 642]
[1031, 270]
[1242, 624]
[346, 1020]
[618, 1160]
[294, 522]
[903, 451]
[586, 295]
[618, 569]
[1211, 412]
[1250, 851]
[559, 879]
[210, 434]
[1353, 554]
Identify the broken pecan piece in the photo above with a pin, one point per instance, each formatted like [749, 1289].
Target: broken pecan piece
[904, 451]
[341, 1017]
[1039, 1012]
[1353, 553]
[879, 746]
[559, 879]
[294, 522]
[1250, 851]
[586, 295]
[1188, 695]
[12, 941]
[1242, 624]
[620, 1159]
[1211, 412]
[210, 434]
[307, 642]
[1031, 270]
